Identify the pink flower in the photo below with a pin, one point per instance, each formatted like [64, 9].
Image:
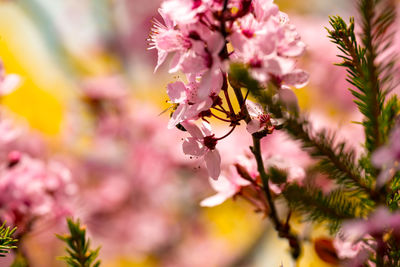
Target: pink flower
[289, 43]
[347, 249]
[166, 39]
[226, 187]
[264, 9]
[260, 120]
[388, 157]
[377, 224]
[267, 42]
[8, 83]
[202, 144]
[30, 189]
[287, 98]
[105, 88]
[183, 11]
[189, 104]
[8, 132]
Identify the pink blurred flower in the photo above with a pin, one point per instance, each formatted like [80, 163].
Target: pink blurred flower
[347, 249]
[226, 187]
[104, 88]
[31, 189]
[8, 132]
[267, 42]
[388, 157]
[377, 224]
[9, 82]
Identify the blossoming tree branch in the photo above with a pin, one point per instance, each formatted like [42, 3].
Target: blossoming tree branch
[231, 50]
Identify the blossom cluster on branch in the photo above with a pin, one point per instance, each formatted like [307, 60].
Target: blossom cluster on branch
[250, 46]
[204, 38]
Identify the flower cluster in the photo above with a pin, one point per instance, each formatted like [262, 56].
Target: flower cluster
[204, 37]
[242, 179]
[31, 188]
[360, 238]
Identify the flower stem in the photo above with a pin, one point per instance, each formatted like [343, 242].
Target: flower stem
[283, 229]
[226, 135]
[218, 117]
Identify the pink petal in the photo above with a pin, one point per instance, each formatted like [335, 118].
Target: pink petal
[254, 126]
[267, 44]
[192, 128]
[295, 50]
[175, 63]
[210, 82]
[9, 84]
[168, 22]
[176, 92]
[213, 163]
[192, 147]
[238, 40]
[217, 81]
[216, 199]
[2, 70]
[279, 66]
[236, 179]
[254, 109]
[384, 176]
[223, 184]
[162, 55]
[297, 78]
[178, 116]
[289, 98]
[382, 157]
[206, 129]
[215, 43]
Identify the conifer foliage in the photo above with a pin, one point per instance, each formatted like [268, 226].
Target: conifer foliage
[78, 247]
[7, 241]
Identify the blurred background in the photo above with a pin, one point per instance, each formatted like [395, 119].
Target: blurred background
[89, 99]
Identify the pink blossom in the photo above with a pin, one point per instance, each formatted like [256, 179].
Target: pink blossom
[226, 186]
[388, 157]
[8, 132]
[377, 224]
[104, 88]
[347, 249]
[166, 39]
[260, 120]
[287, 98]
[267, 42]
[9, 82]
[357, 234]
[202, 144]
[189, 104]
[196, 49]
[31, 189]
[183, 11]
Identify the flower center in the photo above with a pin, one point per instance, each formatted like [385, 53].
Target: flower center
[264, 118]
[248, 33]
[210, 142]
[196, 4]
[255, 63]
